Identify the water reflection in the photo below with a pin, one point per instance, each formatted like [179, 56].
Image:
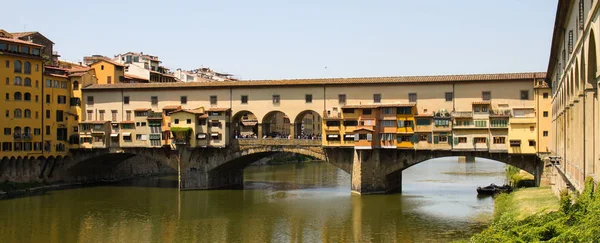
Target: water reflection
[288, 203]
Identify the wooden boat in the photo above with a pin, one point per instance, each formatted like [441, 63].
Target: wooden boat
[493, 189]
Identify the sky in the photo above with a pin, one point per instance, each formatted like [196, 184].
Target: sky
[278, 39]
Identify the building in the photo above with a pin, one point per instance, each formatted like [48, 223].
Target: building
[50, 56]
[21, 71]
[488, 112]
[108, 71]
[573, 77]
[144, 68]
[203, 74]
[59, 117]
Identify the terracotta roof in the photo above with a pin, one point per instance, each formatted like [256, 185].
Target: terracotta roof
[23, 34]
[131, 76]
[217, 109]
[483, 102]
[359, 106]
[20, 41]
[109, 61]
[328, 81]
[194, 111]
[77, 74]
[203, 116]
[172, 107]
[55, 75]
[142, 109]
[364, 128]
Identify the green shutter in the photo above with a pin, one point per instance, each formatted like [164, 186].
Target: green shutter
[428, 138]
[455, 141]
[400, 123]
[436, 139]
[414, 138]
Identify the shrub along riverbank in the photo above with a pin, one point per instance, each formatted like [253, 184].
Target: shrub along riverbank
[577, 218]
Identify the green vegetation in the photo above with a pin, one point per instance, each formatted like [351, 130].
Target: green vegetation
[517, 220]
[181, 129]
[518, 177]
[11, 186]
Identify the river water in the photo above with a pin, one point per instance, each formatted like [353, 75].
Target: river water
[307, 202]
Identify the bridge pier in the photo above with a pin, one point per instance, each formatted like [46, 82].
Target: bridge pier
[371, 172]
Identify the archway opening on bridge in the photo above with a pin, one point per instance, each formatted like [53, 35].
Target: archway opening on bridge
[307, 125]
[592, 65]
[276, 124]
[244, 125]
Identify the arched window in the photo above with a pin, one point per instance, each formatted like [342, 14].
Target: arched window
[18, 81]
[27, 68]
[18, 96]
[18, 113]
[27, 113]
[27, 97]
[27, 131]
[27, 82]
[17, 66]
[75, 85]
[17, 131]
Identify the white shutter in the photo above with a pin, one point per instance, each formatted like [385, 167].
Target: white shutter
[369, 137]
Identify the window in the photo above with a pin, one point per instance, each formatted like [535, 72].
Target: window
[342, 99]
[75, 85]
[141, 137]
[388, 123]
[37, 131]
[332, 123]
[449, 96]
[188, 121]
[90, 100]
[462, 140]
[388, 110]
[183, 100]
[109, 80]
[62, 99]
[27, 68]
[7, 81]
[423, 137]
[176, 121]
[18, 81]
[27, 113]
[481, 123]
[17, 66]
[244, 99]
[545, 133]
[308, 98]
[7, 113]
[128, 115]
[6, 146]
[48, 99]
[25, 49]
[18, 96]
[17, 113]
[480, 140]
[350, 123]
[404, 110]
[412, 97]
[143, 124]
[423, 122]
[114, 115]
[141, 113]
[404, 138]
[376, 98]
[276, 99]
[126, 100]
[47, 130]
[499, 123]
[154, 100]
[545, 114]
[101, 112]
[531, 128]
[89, 115]
[570, 41]
[7, 131]
[37, 83]
[27, 82]
[48, 83]
[524, 94]
[3, 46]
[48, 114]
[442, 123]
[515, 143]
[7, 96]
[443, 139]
[366, 111]
[545, 95]
[486, 95]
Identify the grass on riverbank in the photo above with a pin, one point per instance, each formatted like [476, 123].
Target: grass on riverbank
[576, 220]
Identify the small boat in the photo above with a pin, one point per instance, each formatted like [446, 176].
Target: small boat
[493, 189]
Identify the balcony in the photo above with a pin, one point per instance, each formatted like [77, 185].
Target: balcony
[332, 128]
[154, 115]
[462, 114]
[180, 141]
[500, 113]
[17, 136]
[332, 116]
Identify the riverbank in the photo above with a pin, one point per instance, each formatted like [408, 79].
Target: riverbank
[531, 215]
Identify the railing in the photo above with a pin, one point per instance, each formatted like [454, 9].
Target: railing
[154, 115]
[500, 113]
[334, 115]
[277, 141]
[462, 114]
[17, 136]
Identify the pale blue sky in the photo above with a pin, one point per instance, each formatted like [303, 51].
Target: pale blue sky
[264, 39]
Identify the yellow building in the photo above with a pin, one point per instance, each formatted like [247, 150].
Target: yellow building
[108, 71]
[59, 120]
[405, 116]
[21, 68]
[543, 102]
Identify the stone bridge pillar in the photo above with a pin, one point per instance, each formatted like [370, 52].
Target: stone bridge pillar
[260, 130]
[373, 173]
[292, 128]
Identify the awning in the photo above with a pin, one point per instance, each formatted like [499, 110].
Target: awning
[349, 136]
[249, 123]
[114, 135]
[214, 134]
[126, 134]
[85, 136]
[98, 132]
[333, 136]
[201, 136]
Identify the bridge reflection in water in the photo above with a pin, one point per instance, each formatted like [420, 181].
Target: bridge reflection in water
[307, 202]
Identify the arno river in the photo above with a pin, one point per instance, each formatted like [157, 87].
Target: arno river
[308, 202]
